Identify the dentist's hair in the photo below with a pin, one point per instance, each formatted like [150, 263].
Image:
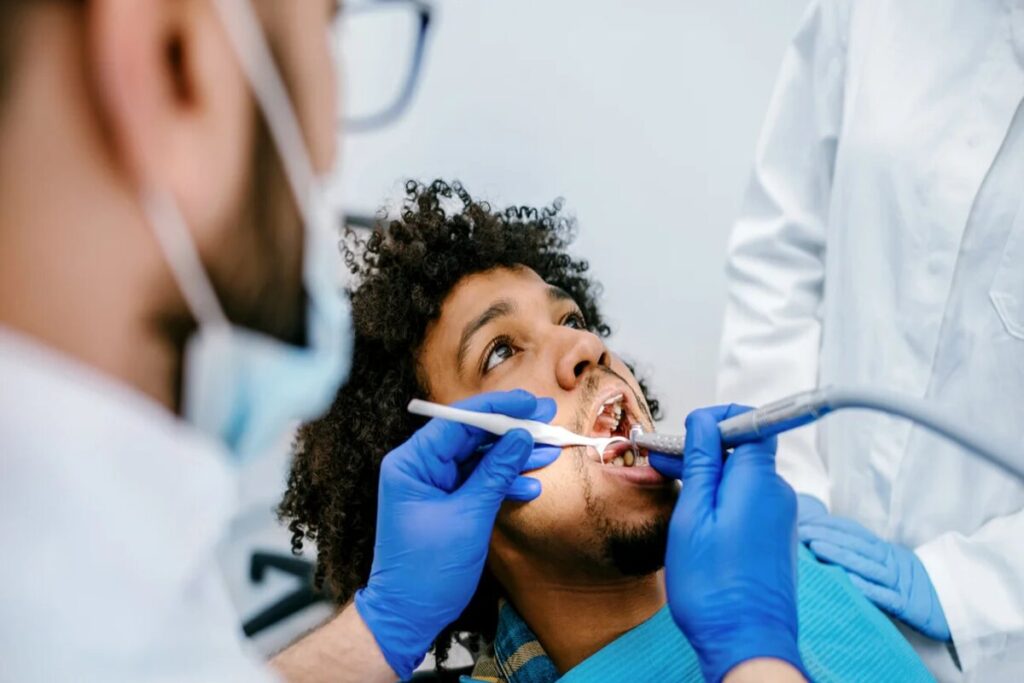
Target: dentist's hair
[403, 272]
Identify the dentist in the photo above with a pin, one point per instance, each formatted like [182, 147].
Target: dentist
[168, 306]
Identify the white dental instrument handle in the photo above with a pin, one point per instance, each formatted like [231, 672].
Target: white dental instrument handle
[806, 407]
[490, 422]
[498, 424]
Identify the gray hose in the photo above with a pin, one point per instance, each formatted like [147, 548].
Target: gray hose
[806, 407]
[998, 451]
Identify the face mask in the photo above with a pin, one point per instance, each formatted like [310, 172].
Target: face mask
[245, 387]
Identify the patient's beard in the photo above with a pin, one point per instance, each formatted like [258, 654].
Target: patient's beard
[633, 550]
[636, 551]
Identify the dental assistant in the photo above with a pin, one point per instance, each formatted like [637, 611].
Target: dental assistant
[168, 306]
[882, 243]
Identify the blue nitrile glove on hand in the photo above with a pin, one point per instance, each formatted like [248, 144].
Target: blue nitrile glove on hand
[434, 523]
[808, 509]
[730, 569]
[889, 574]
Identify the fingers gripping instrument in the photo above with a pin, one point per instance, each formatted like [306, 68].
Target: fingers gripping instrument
[808, 406]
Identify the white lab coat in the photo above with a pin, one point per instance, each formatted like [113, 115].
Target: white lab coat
[882, 243]
[110, 514]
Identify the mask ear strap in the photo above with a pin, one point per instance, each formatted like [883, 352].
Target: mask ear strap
[181, 255]
[246, 35]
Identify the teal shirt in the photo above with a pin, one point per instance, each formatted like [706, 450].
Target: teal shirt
[843, 637]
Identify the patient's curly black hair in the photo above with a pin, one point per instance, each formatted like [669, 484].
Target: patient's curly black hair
[402, 274]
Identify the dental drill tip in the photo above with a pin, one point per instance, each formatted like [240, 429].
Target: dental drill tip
[634, 432]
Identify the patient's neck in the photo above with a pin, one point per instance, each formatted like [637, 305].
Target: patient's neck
[575, 617]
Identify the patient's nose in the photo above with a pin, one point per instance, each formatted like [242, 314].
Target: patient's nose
[583, 351]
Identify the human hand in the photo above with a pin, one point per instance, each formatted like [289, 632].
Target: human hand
[524, 488]
[667, 465]
[435, 515]
[889, 574]
[808, 508]
[730, 570]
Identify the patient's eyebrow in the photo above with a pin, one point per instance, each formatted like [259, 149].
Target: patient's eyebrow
[498, 309]
[556, 293]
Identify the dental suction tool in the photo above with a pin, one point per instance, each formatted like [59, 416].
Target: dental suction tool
[808, 406]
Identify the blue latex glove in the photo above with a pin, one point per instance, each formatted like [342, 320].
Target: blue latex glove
[667, 465]
[889, 574]
[730, 570]
[524, 489]
[434, 523]
[808, 509]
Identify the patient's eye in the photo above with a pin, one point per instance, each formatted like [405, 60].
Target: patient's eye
[501, 350]
[575, 320]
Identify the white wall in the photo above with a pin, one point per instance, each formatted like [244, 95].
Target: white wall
[643, 114]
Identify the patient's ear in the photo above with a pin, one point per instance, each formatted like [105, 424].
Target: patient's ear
[174, 102]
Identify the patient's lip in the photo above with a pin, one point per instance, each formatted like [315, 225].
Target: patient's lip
[641, 476]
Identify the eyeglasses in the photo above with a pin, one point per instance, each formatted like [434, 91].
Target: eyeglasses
[381, 45]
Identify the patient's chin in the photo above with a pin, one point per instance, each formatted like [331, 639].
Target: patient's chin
[637, 550]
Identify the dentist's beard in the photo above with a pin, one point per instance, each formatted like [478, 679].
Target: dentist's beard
[257, 268]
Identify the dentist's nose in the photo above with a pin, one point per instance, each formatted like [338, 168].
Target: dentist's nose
[583, 351]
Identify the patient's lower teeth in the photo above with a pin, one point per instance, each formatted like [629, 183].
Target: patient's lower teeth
[617, 461]
[628, 458]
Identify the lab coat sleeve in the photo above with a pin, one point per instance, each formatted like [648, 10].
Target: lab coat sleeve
[987, 627]
[775, 268]
[96, 585]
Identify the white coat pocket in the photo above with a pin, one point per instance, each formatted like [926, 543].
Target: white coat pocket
[1007, 292]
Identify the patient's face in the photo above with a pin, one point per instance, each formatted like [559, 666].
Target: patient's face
[507, 329]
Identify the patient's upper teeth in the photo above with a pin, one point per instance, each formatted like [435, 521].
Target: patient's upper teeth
[617, 461]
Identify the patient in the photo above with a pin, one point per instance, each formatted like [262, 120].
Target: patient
[454, 299]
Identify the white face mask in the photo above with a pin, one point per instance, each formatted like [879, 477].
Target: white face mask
[245, 387]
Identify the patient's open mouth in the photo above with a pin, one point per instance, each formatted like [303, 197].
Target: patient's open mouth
[616, 414]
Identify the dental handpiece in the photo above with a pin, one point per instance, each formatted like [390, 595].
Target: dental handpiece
[808, 406]
[772, 418]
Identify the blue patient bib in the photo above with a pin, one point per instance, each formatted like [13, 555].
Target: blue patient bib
[843, 637]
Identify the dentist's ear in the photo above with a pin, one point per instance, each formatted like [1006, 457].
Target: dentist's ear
[175, 104]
